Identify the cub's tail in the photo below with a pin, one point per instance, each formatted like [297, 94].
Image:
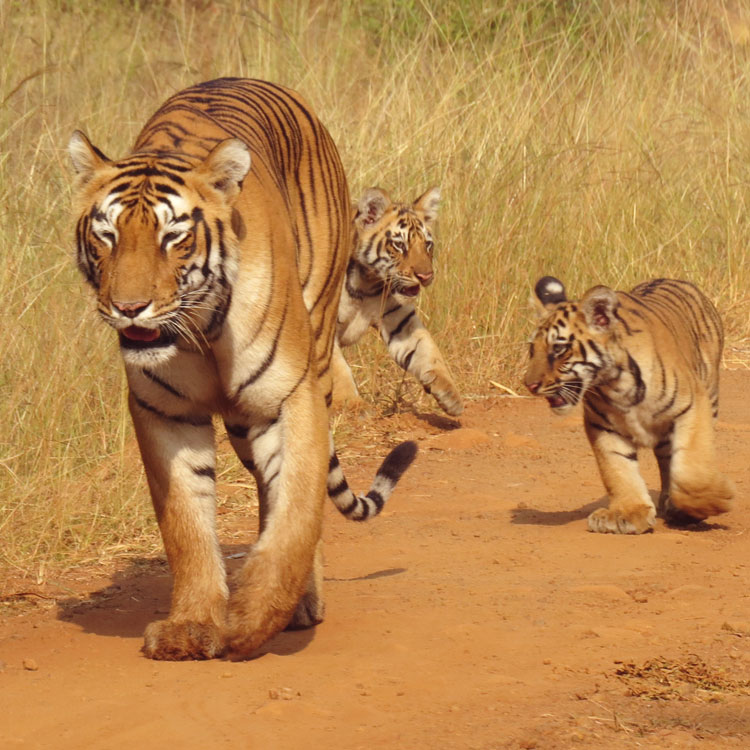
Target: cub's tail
[360, 508]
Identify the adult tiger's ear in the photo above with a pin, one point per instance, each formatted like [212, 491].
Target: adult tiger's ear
[227, 166]
[371, 206]
[85, 157]
[427, 204]
[599, 308]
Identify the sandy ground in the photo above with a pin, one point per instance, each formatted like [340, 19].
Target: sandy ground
[475, 612]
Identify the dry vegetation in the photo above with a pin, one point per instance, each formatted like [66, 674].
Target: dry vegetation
[604, 142]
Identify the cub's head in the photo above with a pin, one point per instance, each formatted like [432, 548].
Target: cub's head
[156, 238]
[572, 345]
[394, 240]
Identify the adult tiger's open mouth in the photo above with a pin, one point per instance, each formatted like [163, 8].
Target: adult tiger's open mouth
[136, 337]
[556, 401]
[136, 333]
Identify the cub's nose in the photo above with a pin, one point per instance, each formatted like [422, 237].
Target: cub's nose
[533, 387]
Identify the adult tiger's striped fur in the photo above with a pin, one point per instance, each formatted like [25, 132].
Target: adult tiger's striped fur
[391, 260]
[222, 280]
[646, 365]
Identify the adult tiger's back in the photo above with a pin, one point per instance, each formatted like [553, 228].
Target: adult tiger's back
[217, 250]
[314, 184]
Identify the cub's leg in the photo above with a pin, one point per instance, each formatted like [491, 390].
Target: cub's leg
[179, 460]
[413, 349]
[631, 510]
[697, 489]
[344, 388]
[290, 456]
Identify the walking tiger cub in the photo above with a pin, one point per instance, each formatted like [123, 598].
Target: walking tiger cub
[391, 261]
[217, 250]
[646, 365]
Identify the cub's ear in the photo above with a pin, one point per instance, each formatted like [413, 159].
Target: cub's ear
[371, 206]
[599, 308]
[85, 157]
[427, 204]
[548, 293]
[227, 166]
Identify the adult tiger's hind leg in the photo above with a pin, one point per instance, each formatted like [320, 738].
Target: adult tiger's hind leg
[179, 462]
[291, 461]
[631, 510]
[697, 489]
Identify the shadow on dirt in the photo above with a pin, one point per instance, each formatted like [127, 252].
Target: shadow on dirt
[140, 593]
[524, 515]
[370, 576]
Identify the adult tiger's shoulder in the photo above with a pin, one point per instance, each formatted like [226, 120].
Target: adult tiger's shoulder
[216, 250]
[391, 262]
[645, 364]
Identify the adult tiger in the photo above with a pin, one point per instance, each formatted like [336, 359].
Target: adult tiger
[646, 364]
[222, 281]
[391, 261]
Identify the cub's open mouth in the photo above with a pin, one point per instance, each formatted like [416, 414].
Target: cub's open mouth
[409, 291]
[556, 402]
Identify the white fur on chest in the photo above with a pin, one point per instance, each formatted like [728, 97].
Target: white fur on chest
[356, 316]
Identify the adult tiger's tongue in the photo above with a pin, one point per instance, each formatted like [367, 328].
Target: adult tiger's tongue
[136, 333]
[556, 401]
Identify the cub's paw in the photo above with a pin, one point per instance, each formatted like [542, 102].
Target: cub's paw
[166, 640]
[310, 612]
[450, 403]
[441, 388]
[635, 521]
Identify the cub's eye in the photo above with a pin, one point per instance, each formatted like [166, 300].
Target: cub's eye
[559, 349]
[428, 246]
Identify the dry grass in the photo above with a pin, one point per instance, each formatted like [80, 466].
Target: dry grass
[603, 142]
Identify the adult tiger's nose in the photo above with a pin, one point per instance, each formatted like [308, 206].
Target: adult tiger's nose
[130, 309]
[425, 278]
[533, 387]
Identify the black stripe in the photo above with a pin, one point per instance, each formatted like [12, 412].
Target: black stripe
[179, 418]
[400, 327]
[205, 471]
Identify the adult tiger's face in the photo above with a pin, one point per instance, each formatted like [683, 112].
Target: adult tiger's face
[156, 238]
[394, 240]
[571, 349]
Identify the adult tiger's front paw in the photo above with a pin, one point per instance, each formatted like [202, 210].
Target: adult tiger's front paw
[636, 520]
[166, 640]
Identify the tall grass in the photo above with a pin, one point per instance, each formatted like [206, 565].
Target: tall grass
[603, 142]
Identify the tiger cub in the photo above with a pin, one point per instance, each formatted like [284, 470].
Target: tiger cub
[646, 365]
[391, 261]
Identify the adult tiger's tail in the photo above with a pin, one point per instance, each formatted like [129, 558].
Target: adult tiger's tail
[361, 508]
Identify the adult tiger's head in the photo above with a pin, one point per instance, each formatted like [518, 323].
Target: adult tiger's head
[394, 242]
[157, 239]
[573, 348]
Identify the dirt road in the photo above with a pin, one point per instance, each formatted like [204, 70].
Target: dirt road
[476, 612]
